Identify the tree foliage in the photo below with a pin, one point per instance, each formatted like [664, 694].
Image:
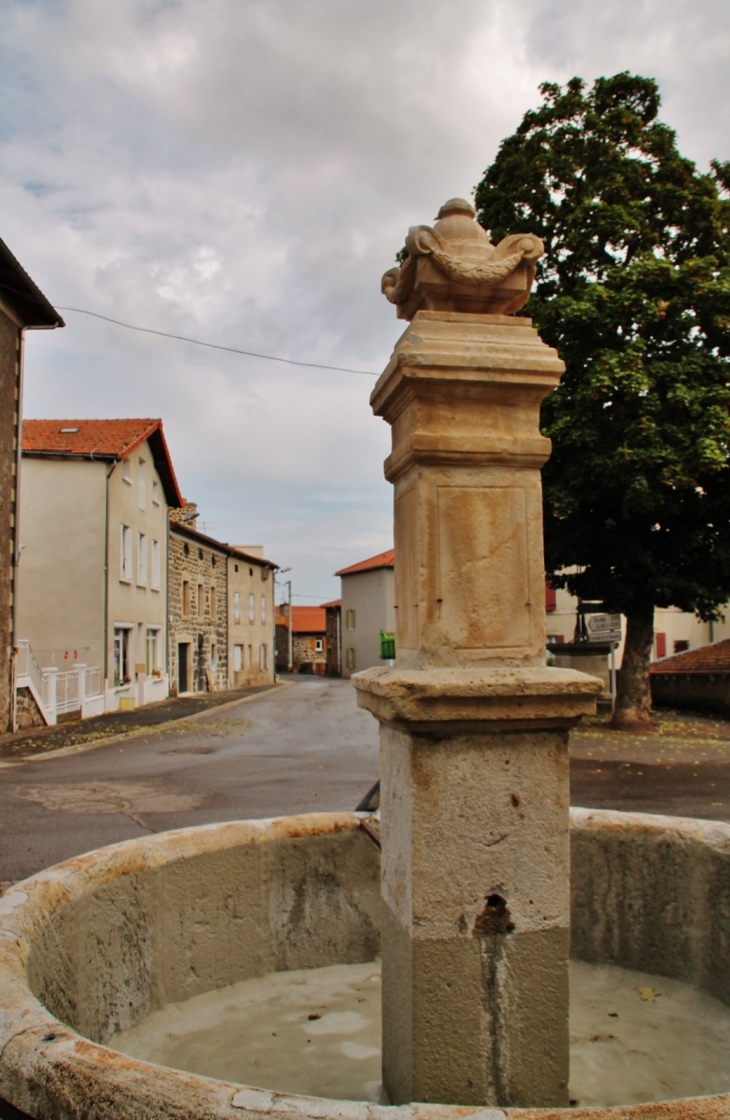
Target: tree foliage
[634, 292]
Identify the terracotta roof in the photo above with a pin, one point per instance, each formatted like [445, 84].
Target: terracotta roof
[711, 659]
[382, 560]
[307, 620]
[103, 439]
[334, 603]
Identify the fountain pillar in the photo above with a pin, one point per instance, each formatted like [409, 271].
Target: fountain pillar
[474, 725]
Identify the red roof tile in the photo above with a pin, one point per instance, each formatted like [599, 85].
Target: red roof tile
[105, 439]
[308, 620]
[710, 659]
[115, 438]
[382, 560]
[334, 603]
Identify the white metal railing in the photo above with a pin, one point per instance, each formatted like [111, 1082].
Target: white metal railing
[27, 666]
[68, 692]
[57, 692]
[93, 682]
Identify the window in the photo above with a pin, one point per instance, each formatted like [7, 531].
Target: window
[213, 602]
[318, 645]
[155, 584]
[127, 472]
[142, 484]
[151, 650]
[249, 659]
[186, 549]
[141, 559]
[237, 658]
[155, 492]
[125, 554]
[350, 657]
[661, 645]
[263, 608]
[252, 608]
[200, 554]
[262, 656]
[236, 606]
[212, 561]
[681, 646]
[201, 600]
[122, 673]
[186, 596]
[213, 656]
[235, 567]
[350, 620]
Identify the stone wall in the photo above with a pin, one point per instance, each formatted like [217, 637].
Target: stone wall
[332, 641]
[27, 713]
[200, 623]
[9, 383]
[305, 655]
[698, 692]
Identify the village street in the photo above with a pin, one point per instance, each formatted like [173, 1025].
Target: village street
[305, 747]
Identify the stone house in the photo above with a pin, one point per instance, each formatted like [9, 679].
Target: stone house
[92, 586]
[22, 307]
[309, 638]
[333, 637]
[368, 606]
[221, 611]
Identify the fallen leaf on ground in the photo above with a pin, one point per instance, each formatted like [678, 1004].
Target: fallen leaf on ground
[648, 994]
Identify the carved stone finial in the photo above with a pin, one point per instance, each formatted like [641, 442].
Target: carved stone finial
[454, 267]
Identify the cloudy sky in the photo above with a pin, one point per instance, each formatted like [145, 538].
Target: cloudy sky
[242, 172]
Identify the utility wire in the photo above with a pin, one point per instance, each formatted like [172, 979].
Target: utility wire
[215, 345]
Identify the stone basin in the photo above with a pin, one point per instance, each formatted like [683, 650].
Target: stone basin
[94, 945]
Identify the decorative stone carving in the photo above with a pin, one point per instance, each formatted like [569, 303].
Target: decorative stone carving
[454, 267]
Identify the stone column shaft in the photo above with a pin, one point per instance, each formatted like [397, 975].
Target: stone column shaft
[474, 726]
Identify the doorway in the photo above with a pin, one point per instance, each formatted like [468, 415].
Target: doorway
[183, 655]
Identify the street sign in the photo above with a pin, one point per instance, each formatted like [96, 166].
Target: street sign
[604, 628]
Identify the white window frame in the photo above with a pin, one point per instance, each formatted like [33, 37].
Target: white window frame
[152, 649]
[252, 607]
[155, 580]
[318, 645]
[350, 657]
[125, 554]
[263, 609]
[237, 658]
[350, 618]
[122, 660]
[156, 493]
[236, 606]
[141, 559]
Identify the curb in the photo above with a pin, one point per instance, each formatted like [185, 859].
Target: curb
[81, 748]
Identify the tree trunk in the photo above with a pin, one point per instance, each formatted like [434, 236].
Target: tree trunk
[633, 699]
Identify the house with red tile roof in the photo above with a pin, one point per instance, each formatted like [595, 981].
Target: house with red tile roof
[309, 639]
[22, 307]
[92, 587]
[698, 679]
[368, 606]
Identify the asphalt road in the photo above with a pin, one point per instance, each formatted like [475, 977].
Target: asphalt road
[304, 748]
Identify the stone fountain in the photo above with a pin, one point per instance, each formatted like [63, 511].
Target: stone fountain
[473, 915]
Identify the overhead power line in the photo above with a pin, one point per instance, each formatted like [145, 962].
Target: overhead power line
[216, 345]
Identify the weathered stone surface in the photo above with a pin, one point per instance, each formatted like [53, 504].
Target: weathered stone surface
[475, 874]
[648, 888]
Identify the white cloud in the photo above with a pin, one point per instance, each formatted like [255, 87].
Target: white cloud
[243, 171]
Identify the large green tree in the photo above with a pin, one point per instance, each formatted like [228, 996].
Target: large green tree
[634, 292]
